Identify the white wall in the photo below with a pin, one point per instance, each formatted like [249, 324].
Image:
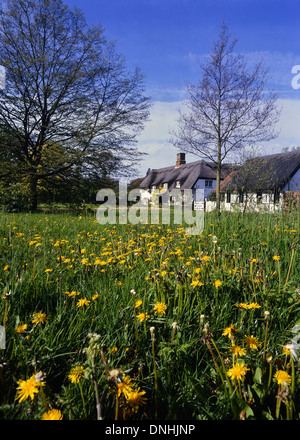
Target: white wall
[200, 184]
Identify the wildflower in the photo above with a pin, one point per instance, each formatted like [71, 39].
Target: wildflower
[160, 308]
[76, 374]
[238, 351]
[205, 258]
[94, 297]
[143, 316]
[28, 388]
[135, 399]
[113, 350]
[48, 270]
[248, 306]
[124, 385]
[252, 342]
[83, 302]
[39, 318]
[196, 283]
[238, 371]
[138, 303]
[52, 414]
[21, 328]
[276, 257]
[282, 377]
[229, 330]
[6, 267]
[218, 283]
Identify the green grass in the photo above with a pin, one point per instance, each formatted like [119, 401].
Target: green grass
[161, 264]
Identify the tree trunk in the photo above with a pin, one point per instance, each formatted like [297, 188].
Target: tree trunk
[218, 179]
[33, 201]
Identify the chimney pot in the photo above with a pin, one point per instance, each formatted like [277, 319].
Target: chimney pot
[180, 160]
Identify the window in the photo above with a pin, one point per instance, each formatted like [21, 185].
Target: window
[165, 185]
[208, 183]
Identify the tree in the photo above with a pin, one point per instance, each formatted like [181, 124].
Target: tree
[228, 109]
[69, 99]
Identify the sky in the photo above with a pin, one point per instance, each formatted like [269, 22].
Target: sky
[166, 39]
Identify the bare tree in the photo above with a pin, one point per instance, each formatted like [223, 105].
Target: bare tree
[229, 107]
[67, 91]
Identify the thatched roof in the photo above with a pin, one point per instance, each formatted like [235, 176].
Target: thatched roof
[265, 173]
[186, 174]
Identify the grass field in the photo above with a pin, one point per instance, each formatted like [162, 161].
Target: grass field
[143, 322]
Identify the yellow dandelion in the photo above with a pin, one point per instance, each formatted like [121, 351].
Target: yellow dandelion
[282, 377]
[196, 283]
[39, 318]
[135, 399]
[238, 371]
[48, 270]
[218, 283]
[238, 351]
[276, 257]
[160, 308]
[76, 374]
[124, 386]
[83, 302]
[229, 330]
[252, 342]
[52, 414]
[138, 303]
[28, 388]
[21, 328]
[143, 317]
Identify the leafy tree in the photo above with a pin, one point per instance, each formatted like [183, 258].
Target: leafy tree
[228, 109]
[69, 99]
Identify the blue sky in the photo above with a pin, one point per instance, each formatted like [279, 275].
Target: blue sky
[166, 37]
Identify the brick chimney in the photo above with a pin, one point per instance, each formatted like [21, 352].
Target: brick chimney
[180, 160]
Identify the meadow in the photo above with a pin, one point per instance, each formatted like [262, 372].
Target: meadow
[143, 322]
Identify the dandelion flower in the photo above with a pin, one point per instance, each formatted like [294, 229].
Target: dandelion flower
[39, 318]
[21, 328]
[28, 388]
[76, 374]
[276, 257]
[218, 283]
[252, 342]
[229, 330]
[124, 386]
[138, 303]
[83, 302]
[160, 308]
[48, 270]
[52, 414]
[135, 399]
[196, 283]
[143, 317]
[282, 377]
[238, 371]
[238, 351]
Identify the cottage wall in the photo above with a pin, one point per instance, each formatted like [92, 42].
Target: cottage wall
[200, 184]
